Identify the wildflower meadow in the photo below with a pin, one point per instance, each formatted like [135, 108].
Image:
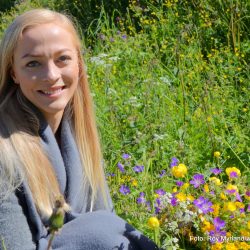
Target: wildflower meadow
[170, 82]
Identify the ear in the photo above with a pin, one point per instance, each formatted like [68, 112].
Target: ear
[13, 76]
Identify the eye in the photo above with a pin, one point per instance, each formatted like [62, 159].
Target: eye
[33, 64]
[64, 58]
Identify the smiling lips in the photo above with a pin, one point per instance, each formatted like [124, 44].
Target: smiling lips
[52, 92]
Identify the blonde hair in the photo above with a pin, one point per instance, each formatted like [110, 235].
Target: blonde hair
[19, 127]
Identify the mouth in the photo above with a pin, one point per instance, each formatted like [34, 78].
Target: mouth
[52, 91]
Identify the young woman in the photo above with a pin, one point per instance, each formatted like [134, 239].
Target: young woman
[49, 146]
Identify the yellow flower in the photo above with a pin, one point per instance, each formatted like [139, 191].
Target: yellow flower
[248, 224]
[223, 196]
[231, 187]
[232, 170]
[216, 208]
[230, 206]
[239, 204]
[207, 226]
[215, 180]
[244, 245]
[217, 154]
[247, 195]
[231, 246]
[153, 222]
[156, 195]
[217, 246]
[174, 189]
[181, 196]
[245, 233]
[179, 171]
[134, 183]
[190, 197]
[185, 186]
[206, 188]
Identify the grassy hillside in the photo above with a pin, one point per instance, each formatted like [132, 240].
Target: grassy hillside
[171, 79]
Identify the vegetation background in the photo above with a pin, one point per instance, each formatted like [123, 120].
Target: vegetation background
[169, 78]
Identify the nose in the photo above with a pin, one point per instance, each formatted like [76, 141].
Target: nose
[52, 73]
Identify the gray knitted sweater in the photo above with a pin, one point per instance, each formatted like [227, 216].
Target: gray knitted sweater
[21, 227]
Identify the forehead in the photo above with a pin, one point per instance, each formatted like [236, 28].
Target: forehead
[45, 36]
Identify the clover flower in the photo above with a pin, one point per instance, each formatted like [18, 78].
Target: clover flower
[124, 189]
[198, 179]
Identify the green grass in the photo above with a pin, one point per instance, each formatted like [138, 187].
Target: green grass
[169, 79]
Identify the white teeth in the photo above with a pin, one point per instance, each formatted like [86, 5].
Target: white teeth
[51, 92]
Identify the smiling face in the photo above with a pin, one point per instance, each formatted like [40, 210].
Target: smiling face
[46, 67]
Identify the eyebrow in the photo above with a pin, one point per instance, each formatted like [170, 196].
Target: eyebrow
[40, 55]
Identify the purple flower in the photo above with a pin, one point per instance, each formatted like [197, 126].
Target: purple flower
[124, 37]
[174, 162]
[230, 191]
[111, 39]
[238, 198]
[219, 223]
[198, 179]
[216, 171]
[157, 205]
[141, 199]
[110, 174]
[126, 156]
[148, 205]
[121, 167]
[160, 191]
[248, 193]
[179, 183]
[216, 236]
[162, 173]
[233, 174]
[199, 201]
[204, 205]
[138, 169]
[242, 210]
[102, 37]
[124, 189]
[174, 201]
[248, 208]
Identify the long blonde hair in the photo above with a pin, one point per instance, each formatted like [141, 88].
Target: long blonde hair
[19, 126]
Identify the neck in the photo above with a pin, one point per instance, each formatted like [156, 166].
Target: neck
[54, 120]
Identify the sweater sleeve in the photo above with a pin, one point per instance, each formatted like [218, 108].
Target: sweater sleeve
[14, 229]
